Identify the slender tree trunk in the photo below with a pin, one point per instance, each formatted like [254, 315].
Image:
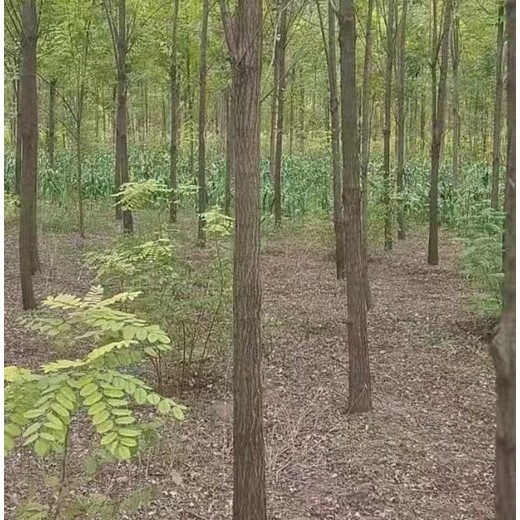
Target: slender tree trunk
[175, 116]
[280, 93]
[437, 134]
[301, 133]
[390, 55]
[28, 249]
[423, 123]
[122, 111]
[291, 116]
[201, 175]
[274, 102]
[79, 160]
[244, 38]
[18, 150]
[504, 344]
[455, 55]
[360, 397]
[230, 139]
[52, 123]
[497, 121]
[401, 120]
[365, 123]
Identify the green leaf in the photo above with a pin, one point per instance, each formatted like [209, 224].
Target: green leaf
[32, 414]
[41, 447]
[164, 406]
[91, 465]
[125, 420]
[88, 389]
[123, 453]
[31, 439]
[121, 412]
[93, 398]
[12, 429]
[60, 410]
[8, 442]
[108, 439]
[105, 426]
[178, 413]
[47, 436]
[113, 392]
[154, 399]
[100, 417]
[129, 432]
[128, 441]
[31, 429]
[140, 396]
[117, 402]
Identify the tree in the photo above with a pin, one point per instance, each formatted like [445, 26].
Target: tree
[390, 55]
[174, 113]
[244, 41]
[438, 119]
[29, 261]
[360, 393]
[201, 175]
[497, 119]
[401, 119]
[51, 137]
[121, 46]
[329, 43]
[503, 348]
[455, 61]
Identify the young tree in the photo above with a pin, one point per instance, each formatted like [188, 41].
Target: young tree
[121, 46]
[174, 113]
[51, 134]
[401, 119]
[497, 119]
[360, 395]
[229, 153]
[390, 55]
[438, 119]
[455, 62]
[29, 261]
[201, 175]
[329, 43]
[244, 40]
[503, 348]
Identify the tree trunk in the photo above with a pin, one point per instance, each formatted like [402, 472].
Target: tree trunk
[401, 120]
[301, 132]
[437, 134]
[455, 55]
[423, 123]
[174, 116]
[18, 150]
[390, 54]
[201, 174]
[504, 345]
[365, 128]
[28, 249]
[280, 93]
[79, 164]
[244, 38]
[497, 121]
[360, 397]
[291, 116]
[229, 153]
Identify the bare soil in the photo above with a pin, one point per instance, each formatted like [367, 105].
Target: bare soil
[426, 451]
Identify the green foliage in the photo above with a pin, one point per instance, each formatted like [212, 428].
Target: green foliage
[11, 205]
[40, 406]
[148, 194]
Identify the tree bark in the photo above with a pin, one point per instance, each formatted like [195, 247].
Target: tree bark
[244, 39]
[201, 173]
[497, 120]
[390, 55]
[455, 55]
[360, 396]
[122, 111]
[365, 130]
[230, 139]
[503, 348]
[439, 103]
[28, 249]
[280, 93]
[79, 159]
[174, 116]
[18, 149]
[401, 121]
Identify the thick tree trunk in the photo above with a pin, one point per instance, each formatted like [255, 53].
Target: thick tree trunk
[437, 134]
[401, 120]
[504, 344]
[497, 118]
[280, 93]
[174, 116]
[28, 249]
[387, 177]
[360, 397]
[244, 38]
[51, 137]
[201, 173]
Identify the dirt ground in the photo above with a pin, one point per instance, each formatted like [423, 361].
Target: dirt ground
[425, 453]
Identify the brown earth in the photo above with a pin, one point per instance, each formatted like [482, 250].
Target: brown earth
[425, 453]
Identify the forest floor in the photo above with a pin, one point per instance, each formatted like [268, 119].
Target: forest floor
[426, 452]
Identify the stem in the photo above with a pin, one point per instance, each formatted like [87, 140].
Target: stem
[63, 475]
